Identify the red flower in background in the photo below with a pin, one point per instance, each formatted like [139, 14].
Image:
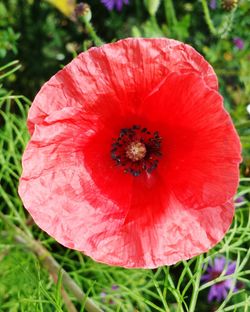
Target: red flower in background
[132, 159]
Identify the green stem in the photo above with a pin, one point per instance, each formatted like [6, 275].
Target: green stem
[154, 21]
[17, 216]
[170, 14]
[208, 19]
[10, 71]
[92, 33]
[163, 299]
[198, 270]
[225, 27]
[175, 293]
[9, 65]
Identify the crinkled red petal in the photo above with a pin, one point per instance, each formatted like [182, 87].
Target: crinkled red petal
[69, 207]
[77, 193]
[201, 148]
[132, 66]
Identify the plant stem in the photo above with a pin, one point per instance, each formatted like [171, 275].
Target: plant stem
[70, 306]
[198, 270]
[208, 19]
[225, 27]
[175, 293]
[170, 14]
[92, 33]
[163, 299]
[154, 21]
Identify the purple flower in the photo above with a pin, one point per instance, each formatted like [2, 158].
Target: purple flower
[239, 200]
[212, 4]
[111, 4]
[219, 290]
[103, 294]
[115, 287]
[238, 42]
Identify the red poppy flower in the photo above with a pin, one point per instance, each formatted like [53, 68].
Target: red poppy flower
[132, 158]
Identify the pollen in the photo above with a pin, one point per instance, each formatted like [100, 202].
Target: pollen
[136, 151]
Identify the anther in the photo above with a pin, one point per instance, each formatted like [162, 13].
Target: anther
[137, 150]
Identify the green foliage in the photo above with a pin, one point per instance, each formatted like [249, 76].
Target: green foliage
[8, 41]
[8, 37]
[25, 286]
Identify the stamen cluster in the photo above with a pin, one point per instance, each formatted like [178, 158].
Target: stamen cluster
[137, 150]
[229, 5]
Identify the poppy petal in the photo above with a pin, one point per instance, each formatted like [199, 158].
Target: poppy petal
[78, 194]
[68, 205]
[133, 65]
[201, 148]
[219, 264]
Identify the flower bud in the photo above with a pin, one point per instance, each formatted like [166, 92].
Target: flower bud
[152, 6]
[229, 5]
[83, 11]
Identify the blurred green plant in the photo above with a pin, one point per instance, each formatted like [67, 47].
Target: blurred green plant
[8, 37]
[8, 41]
[51, 34]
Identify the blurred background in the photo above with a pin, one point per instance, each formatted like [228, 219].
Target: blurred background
[45, 35]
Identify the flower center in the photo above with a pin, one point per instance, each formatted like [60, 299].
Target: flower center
[215, 274]
[137, 150]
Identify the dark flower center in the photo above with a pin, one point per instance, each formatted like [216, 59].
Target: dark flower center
[215, 274]
[137, 150]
